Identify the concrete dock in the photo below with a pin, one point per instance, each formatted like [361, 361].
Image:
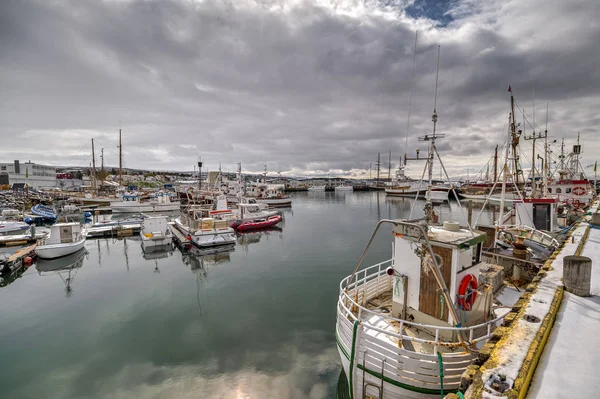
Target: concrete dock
[548, 344]
[567, 367]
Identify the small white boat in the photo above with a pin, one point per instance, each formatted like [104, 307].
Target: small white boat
[64, 239]
[132, 204]
[155, 233]
[316, 188]
[344, 188]
[12, 227]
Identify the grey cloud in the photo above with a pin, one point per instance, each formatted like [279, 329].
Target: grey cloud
[293, 84]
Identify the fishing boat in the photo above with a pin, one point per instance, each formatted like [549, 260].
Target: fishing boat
[155, 233]
[64, 239]
[409, 327]
[436, 195]
[258, 224]
[131, 203]
[344, 188]
[204, 232]
[43, 211]
[316, 188]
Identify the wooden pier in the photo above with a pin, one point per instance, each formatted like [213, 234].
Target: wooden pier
[19, 240]
[15, 265]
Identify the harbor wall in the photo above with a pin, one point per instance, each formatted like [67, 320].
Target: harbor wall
[507, 362]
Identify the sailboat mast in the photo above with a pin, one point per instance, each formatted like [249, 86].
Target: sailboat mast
[93, 168]
[120, 160]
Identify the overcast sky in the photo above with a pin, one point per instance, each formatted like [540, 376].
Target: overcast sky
[305, 86]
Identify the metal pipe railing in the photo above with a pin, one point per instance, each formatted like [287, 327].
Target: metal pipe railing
[436, 267]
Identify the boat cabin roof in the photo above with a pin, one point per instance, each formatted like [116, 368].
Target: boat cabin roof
[460, 238]
[65, 224]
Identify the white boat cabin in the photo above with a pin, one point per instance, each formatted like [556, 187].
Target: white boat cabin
[155, 226]
[417, 295]
[538, 213]
[64, 233]
[576, 192]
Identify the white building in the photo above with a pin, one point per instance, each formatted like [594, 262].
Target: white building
[35, 175]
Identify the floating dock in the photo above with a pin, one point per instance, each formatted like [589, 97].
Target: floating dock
[120, 230]
[180, 239]
[19, 240]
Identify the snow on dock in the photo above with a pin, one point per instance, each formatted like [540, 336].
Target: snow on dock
[507, 364]
[567, 366]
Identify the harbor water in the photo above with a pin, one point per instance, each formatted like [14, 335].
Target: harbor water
[256, 321]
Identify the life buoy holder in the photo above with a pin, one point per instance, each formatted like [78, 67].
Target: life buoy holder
[579, 190]
[467, 292]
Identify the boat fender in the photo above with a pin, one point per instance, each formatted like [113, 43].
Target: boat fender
[28, 260]
[467, 292]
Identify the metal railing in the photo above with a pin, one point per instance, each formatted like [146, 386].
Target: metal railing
[353, 310]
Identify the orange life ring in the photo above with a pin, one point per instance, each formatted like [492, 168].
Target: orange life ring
[579, 190]
[467, 292]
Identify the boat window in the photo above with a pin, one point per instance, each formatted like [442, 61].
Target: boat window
[558, 191]
[477, 253]
[549, 190]
[568, 190]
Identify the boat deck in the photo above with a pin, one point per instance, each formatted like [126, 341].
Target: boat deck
[383, 303]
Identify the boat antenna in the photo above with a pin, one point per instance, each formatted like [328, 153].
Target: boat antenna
[412, 78]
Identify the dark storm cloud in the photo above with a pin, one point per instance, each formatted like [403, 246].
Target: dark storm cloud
[299, 85]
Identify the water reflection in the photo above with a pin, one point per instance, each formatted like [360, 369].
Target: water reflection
[66, 268]
[201, 259]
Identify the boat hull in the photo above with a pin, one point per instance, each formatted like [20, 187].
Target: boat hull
[148, 244]
[276, 202]
[134, 208]
[54, 251]
[250, 226]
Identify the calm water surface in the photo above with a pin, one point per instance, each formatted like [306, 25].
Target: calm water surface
[255, 322]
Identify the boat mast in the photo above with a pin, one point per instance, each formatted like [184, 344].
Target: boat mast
[390, 168]
[545, 171]
[496, 164]
[102, 176]
[514, 137]
[412, 79]
[434, 118]
[120, 160]
[93, 174]
[378, 167]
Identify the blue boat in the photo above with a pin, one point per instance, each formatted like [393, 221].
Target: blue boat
[44, 211]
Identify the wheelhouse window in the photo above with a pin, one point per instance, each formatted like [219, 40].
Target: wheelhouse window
[568, 190]
[558, 191]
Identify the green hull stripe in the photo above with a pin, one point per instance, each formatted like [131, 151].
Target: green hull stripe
[340, 345]
[352, 354]
[401, 385]
[375, 373]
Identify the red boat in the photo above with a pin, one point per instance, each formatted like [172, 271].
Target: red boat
[258, 223]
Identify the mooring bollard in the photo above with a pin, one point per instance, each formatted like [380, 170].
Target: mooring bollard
[577, 274]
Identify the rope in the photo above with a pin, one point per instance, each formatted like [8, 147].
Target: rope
[441, 363]
[460, 395]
